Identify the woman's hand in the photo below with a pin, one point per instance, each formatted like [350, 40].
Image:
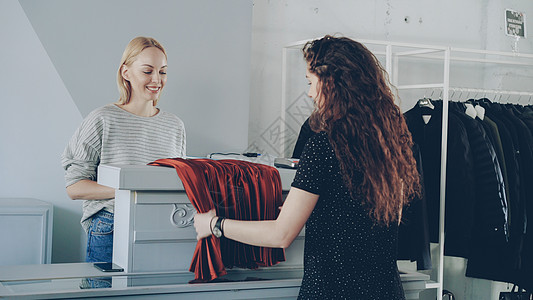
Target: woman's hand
[202, 224]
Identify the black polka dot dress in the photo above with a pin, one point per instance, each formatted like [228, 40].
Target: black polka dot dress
[347, 256]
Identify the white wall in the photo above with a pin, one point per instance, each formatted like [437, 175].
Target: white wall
[208, 45]
[59, 60]
[38, 116]
[466, 24]
[457, 23]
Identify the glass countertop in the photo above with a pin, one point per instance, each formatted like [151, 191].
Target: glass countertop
[121, 283]
[82, 280]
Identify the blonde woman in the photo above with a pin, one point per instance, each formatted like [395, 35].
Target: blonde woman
[130, 131]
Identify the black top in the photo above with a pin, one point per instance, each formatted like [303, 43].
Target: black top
[347, 255]
[413, 232]
[305, 134]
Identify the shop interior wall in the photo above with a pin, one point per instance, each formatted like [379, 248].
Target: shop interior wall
[276, 24]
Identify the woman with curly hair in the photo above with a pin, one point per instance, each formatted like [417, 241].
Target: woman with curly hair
[354, 177]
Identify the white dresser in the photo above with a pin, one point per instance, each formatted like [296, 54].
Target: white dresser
[153, 220]
[25, 231]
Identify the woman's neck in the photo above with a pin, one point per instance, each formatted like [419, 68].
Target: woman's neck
[140, 108]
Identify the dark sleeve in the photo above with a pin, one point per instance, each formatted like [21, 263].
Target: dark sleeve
[413, 232]
[303, 137]
[460, 188]
[314, 163]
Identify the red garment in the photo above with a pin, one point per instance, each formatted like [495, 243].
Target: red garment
[237, 190]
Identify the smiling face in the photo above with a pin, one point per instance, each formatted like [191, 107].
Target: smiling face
[147, 74]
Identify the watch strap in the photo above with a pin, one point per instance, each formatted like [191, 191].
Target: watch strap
[218, 228]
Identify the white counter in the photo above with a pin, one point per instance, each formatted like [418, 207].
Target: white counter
[153, 219]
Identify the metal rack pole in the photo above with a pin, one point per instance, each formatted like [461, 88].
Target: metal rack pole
[444, 156]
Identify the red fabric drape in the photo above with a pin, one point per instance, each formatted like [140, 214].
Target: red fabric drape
[237, 190]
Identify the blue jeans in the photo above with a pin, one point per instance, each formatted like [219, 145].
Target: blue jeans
[96, 283]
[100, 238]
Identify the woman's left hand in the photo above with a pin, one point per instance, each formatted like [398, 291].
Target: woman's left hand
[202, 224]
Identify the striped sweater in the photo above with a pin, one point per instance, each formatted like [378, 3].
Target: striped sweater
[111, 135]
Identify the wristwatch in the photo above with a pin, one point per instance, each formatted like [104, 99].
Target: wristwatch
[217, 230]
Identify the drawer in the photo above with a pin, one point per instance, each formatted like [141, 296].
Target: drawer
[167, 215]
[177, 256]
[161, 257]
[161, 197]
[164, 221]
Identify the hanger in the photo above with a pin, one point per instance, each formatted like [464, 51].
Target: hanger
[480, 110]
[484, 102]
[470, 110]
[515, 108]
[517, 104]
[425, 102]
[500, 98]
[432, 92]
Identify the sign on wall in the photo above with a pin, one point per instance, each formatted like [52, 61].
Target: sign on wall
[515, 23]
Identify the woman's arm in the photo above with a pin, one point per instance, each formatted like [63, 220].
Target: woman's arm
[89, 190]
[277, 233]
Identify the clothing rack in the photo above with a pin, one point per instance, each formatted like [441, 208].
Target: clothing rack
[498, 94]
[481, 93]
[393, 52]
[452, 54]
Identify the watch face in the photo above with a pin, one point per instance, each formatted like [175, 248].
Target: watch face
[216, 232]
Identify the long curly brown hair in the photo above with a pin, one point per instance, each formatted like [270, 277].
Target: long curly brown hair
[364, 125]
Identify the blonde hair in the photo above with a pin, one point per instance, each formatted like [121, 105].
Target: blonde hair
[134, 48]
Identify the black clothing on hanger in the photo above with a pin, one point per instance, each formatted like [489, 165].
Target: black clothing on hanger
[489, 236]
[460, 182]
[413, 233]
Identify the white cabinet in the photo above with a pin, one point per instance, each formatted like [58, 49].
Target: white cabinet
[25, 231]
[153, 229]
